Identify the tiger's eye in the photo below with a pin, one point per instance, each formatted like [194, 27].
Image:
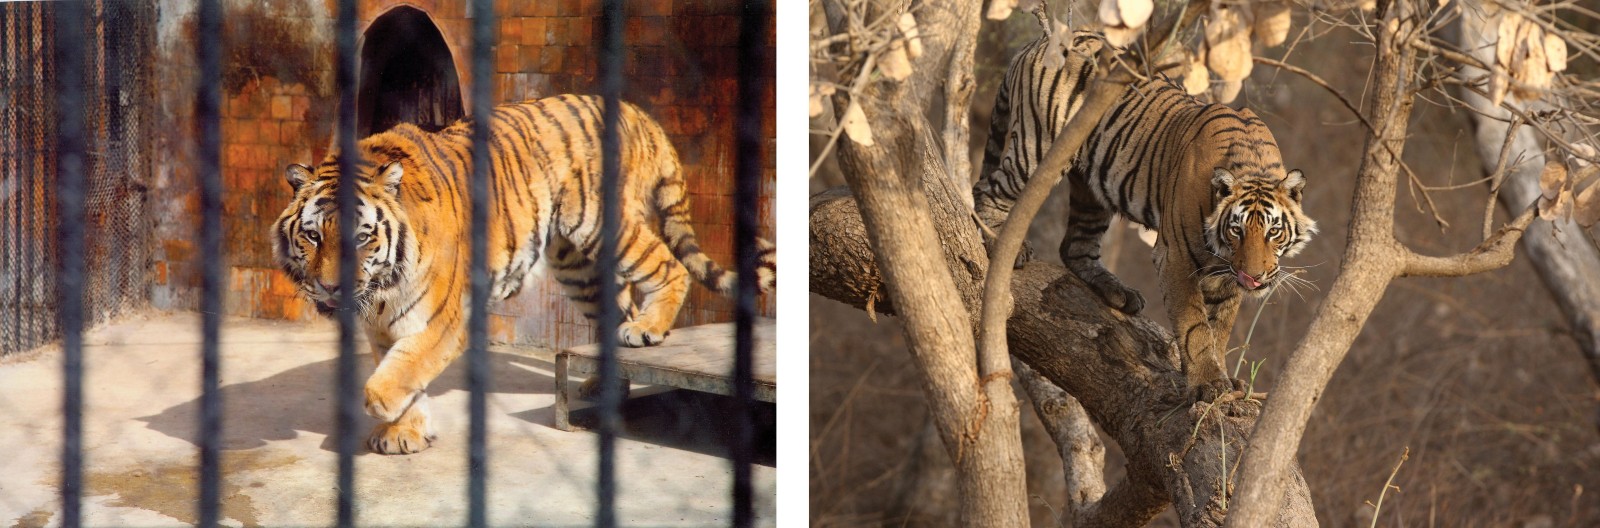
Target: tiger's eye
[362, 238]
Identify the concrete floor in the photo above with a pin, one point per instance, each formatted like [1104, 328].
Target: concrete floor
[142, 397]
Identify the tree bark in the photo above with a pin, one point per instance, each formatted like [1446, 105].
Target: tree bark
[902, 185]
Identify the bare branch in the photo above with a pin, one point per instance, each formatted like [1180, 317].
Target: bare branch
[1494, 253]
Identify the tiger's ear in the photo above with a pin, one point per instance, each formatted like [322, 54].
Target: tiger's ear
[297, 175]
[1294, 182]
[390, 174]
[1221, 183]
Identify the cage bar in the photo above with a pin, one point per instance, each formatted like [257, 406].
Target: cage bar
[747, 175]
[349, 397]
[483, 24]
[610, 65]
[213, 289]
[69, 38]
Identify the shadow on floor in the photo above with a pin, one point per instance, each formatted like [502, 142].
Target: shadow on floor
[301, 399]
[681, 419]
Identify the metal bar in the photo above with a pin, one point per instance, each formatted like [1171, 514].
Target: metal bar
[747, 177]
[69, 39]
[210, 150]
[349, 397]
[483, 25]
[610, 63]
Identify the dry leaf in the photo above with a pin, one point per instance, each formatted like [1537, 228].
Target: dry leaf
[820, 92]
[1555, 52]
[1554, 192]
[1000, 9]
[1120, 36]
[895, 64]
[1135, 12]
[1586, 208]
[816, 104]
[1272, 23]
[1198, 79]
[908, 27]
[1528, 64]
[1506, 32]
[855, 125]
[1109, 14]
[1228, 42]
[1226, 91]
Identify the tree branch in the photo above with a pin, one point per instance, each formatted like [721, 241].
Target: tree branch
[1494, 253]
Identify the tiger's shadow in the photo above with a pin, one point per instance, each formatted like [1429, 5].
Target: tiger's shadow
[303, 398]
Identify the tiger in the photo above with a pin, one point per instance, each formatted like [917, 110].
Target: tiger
[411, 284]
[1207, 178]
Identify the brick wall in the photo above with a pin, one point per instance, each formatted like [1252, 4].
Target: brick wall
[279, 108]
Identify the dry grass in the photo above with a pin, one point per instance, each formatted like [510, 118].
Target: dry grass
[1477, 376]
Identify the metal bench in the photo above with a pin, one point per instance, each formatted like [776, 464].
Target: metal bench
[698, 358]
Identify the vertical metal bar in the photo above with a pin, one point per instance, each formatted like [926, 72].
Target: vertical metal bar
[747, 175]
[350, 405]
[209, 54]
[610, 62]
[477, 324]
[69, 39]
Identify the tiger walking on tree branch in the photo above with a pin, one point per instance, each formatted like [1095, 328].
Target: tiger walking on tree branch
[1207, 178]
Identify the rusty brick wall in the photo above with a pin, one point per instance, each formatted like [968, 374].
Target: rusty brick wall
[279, 108]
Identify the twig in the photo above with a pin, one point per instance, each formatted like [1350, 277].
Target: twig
[1389, 484]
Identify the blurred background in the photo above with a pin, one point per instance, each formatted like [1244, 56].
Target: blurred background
[1478, 376]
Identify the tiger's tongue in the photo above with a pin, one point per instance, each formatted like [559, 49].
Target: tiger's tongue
[1248, 281]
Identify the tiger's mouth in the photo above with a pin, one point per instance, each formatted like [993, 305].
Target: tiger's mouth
[1249, 282]
[329, 304]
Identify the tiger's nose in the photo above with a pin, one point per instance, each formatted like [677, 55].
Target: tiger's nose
[331, 288]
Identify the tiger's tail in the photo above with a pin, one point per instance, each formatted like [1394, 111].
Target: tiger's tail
[672, 200]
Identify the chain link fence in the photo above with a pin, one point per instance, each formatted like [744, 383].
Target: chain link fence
[118, 94]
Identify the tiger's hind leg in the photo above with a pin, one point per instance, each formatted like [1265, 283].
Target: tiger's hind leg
[1080, 249]
[579, 280]
[645, 262]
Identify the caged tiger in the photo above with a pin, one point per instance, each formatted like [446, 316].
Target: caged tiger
[1207, 178]
[411, 282]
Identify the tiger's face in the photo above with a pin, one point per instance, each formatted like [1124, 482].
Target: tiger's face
[1256, 222]
[306, 236]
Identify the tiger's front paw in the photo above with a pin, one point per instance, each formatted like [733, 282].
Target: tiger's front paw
[1211, 390]
[410, 434]
[634, 334]
[387, 397]
[1124, 299]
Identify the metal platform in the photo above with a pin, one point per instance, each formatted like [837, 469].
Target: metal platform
[698, 358]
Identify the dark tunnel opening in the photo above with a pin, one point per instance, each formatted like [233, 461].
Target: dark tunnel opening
[407, 75]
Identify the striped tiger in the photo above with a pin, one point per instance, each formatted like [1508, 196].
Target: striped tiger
[1207, 178]
[411, 285]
